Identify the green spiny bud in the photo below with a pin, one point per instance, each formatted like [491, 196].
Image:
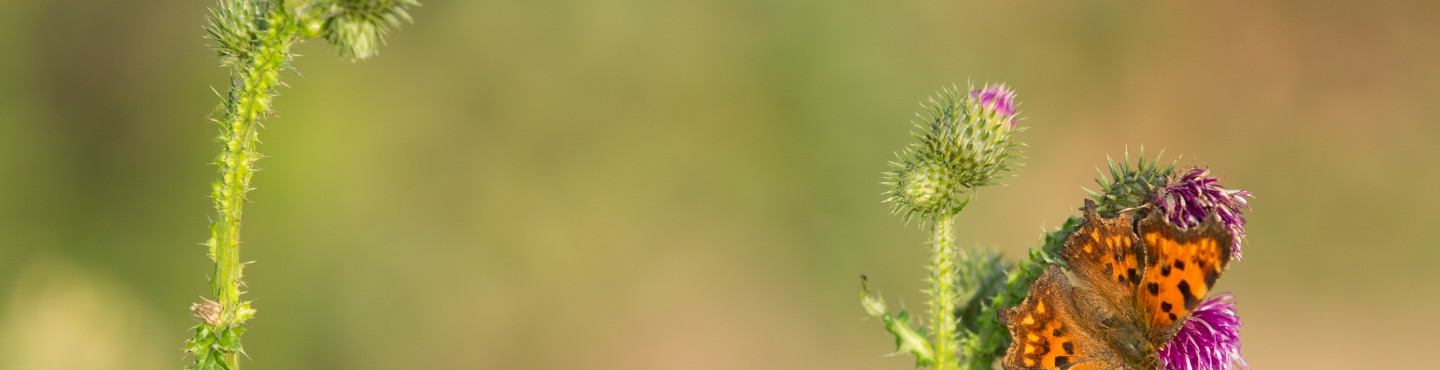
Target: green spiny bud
[356, 37]
[233, 26]
[926, 188]
[1130, 185]
[361, 25]
[964, 143]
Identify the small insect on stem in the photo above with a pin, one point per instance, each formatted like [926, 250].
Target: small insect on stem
[209, 311]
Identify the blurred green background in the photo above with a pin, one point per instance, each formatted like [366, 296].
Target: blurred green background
[688, 184]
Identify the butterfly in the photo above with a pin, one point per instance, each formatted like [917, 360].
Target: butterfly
[1134, 284]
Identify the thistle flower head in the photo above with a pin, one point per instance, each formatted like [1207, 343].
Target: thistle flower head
[1130, 184]
[1188, 199]
[1209, 339]
[964, 143]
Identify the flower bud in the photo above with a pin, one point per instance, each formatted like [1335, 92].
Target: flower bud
[360, 27]
[357, 37]
[964, 143]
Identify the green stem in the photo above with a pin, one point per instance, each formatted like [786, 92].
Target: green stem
[942, 292]
[250, 96]
[254, 39]
[253, 82]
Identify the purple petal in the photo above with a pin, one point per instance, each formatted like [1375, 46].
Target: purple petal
[1209, 339]
[1189, 199]
[999, 98]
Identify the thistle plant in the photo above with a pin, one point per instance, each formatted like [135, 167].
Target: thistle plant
[965, 143]
[1185, 198]
[1210, 338]
[253, 39]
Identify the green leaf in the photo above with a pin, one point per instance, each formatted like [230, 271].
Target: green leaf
[243, 313]
[204, 360]
[229, 339]
[907, 339]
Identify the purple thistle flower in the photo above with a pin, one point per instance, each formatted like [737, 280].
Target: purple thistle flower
[999, 98]
[1188, 200]
[1209, 339]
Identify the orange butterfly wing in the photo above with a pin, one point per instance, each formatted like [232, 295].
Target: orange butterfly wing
[1182, 266]
[1104, 255]
[1046, 332]
[1131, 293]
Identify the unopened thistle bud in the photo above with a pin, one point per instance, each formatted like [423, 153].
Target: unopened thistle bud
[964, 143]
[1130, 184]
[361, 25]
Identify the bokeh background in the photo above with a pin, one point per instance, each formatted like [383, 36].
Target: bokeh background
[635, 184]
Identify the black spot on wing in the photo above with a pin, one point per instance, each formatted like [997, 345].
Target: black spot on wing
[1190, 299]
[1154, 288]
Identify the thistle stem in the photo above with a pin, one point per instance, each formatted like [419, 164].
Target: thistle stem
[252, 86]
[250, 95]
[253, 38]
[942, 292]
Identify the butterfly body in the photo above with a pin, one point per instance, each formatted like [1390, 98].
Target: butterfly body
[1133, 285]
